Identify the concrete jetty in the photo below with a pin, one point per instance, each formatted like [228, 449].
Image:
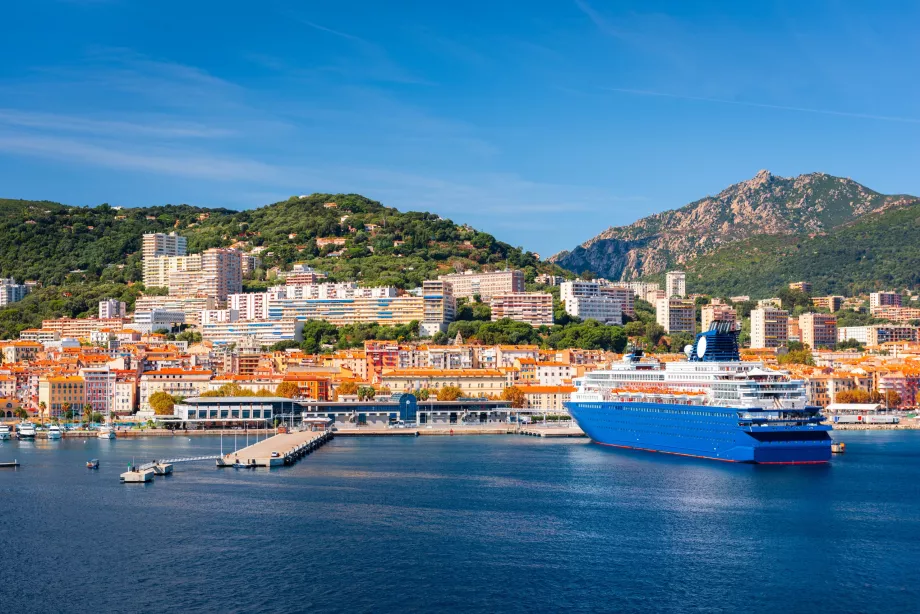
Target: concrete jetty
[281, 449]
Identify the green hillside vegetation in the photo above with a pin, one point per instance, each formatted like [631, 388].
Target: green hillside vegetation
[878, 252]
[94, 252]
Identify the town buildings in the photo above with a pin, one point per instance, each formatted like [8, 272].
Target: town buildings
[801, 286]
[877, 334]
[112, 308]
[591, 300]
[831, 303]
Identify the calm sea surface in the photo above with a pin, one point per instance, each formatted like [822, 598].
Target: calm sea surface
[486, 524]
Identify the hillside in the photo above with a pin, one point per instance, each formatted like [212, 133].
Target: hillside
[81, 254]
[807, 205]
[879, 251]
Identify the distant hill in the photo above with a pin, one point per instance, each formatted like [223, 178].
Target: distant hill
[761, 210]
[878, 251]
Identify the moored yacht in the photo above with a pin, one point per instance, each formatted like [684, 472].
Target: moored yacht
[4, 432]
[105, 432]
[25, 430]
[54, 432]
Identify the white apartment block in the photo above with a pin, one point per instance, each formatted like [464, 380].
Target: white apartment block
[769, 327]
[675, 284]
[11, 292]
[601, 308]
[250, 306]
[485, 284]
[216, 316]
[255, 332]
[191, 306]
[676, 315]
[642, 288]
[156, 319]
[159, 244]
[877, 334]
[534, 308]
[112, 308]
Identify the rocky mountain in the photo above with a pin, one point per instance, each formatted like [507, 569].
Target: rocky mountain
[808, 205]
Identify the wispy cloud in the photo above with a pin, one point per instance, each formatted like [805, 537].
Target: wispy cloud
[148, 126]
[760, 105]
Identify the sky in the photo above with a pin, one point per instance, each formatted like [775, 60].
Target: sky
[541, 122]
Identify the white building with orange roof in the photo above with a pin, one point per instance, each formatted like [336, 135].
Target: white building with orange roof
[553, 373]
[177, 382]
[40, 335]
[505, 355]
[547, 398]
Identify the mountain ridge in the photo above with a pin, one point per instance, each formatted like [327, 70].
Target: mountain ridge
[810, 205]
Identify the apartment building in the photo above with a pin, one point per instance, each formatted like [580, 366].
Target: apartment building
[769, 327]
[99, 389]
[440, 307]
[831, 303]
[534, 308]
[11, 292]
[877, 334]
[303, 275]
[676, 315]
[642, 288]
[156, 319]
[39, 335]
[818, 330]
[80, 328]
[177, 382]
[547, 398]
[885, 299]
[258, 332]
[191, 306]
[112, 308]
[896, 314]
[592, 300]
[716, 311]
[158, 244]
[158, 270]
[217, 272]
[675, 284]
[801, 286]
[249, 306]
[60, 393]
[485, 284]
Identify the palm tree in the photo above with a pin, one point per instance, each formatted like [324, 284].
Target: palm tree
[65, 407]
[42, 407]
[88, 413]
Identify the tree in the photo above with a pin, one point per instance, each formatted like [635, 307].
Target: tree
[87, 413]
[21, 413]
[422, 394]
[449, 393]
[852, 396]
[288, 390]
[366, 392]
[347, 388]
[515, 395]
[796, 357]
[889, 398]
[41, 410]
[162, 403]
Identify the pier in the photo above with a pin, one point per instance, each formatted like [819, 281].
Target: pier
[281, 449]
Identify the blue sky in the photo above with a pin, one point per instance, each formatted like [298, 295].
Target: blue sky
[540, 122]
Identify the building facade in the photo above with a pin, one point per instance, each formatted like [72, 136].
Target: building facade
[676, 315]
[485, 284]
[675, 284]
[818, 330]
[534, 308]
[769, 327]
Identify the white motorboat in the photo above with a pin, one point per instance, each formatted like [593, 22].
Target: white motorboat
[55, 432]
[105, 432]
[4, 432]
[25, 430]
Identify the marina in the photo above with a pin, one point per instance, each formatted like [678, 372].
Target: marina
[276, 451]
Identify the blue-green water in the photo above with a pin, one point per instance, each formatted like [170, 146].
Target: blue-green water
[485, 524]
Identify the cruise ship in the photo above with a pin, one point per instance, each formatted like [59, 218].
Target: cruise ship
[711, 405]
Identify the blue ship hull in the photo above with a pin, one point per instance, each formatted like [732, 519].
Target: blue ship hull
[706, 432]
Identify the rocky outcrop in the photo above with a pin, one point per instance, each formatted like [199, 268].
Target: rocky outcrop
[766, 204]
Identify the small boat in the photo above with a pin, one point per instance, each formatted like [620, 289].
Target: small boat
[4, 432]
[838, 447]
[54, 432]
[9, 464]
[92, 464]
[105, 432]
[25, 430]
